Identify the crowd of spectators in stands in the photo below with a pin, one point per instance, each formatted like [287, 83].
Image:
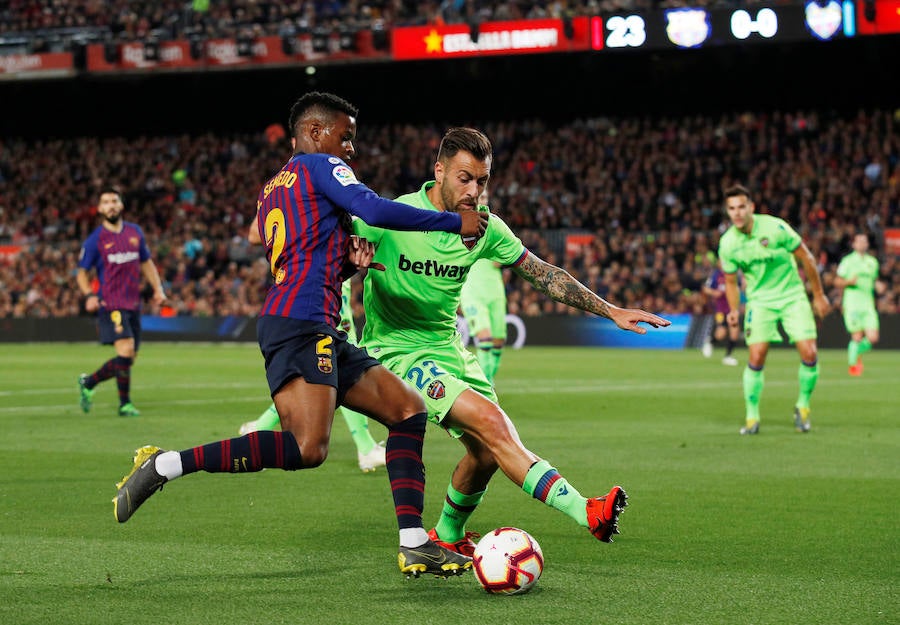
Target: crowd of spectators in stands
[137, 20]
[643, 197]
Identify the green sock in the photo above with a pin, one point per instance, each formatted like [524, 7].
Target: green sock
[496, 353]
[852, 352]
[808, 376]
[483, 353]
[268, 420]
[358, 425]
[543, 482]
[458, 507]
[864, 345]
[753, 386]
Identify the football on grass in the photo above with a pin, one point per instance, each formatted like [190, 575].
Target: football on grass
[508, 561]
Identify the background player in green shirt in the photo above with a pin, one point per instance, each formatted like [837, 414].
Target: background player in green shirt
[766, 250]
[411, 328]
[484, 307]
[369, 454]
[857, 275]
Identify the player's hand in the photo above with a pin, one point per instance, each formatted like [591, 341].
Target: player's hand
[821, 306]
[92, 303]
[361, 253]
[629, 318]
[160, 297]
[733, 318]
[474, 223]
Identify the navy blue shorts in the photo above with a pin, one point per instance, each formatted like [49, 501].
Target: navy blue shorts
[310, 350]
[119, 324]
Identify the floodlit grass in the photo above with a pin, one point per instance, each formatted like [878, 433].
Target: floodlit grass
[779, 528]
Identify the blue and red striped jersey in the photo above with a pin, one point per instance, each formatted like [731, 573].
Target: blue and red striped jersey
[117, 257]
[304, 220]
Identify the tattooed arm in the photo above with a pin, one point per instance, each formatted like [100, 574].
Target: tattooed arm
[559, 285]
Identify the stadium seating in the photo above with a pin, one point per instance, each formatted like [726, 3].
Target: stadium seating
[641, 195]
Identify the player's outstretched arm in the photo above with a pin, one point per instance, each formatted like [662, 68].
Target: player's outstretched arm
[558, 284]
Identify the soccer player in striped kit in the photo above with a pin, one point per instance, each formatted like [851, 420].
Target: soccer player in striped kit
[303, 218]
[118, 252]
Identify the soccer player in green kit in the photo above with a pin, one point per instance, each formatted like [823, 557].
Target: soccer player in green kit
[369, 454]
[411, 328]
[857, 274]
[484, 307]
[766, 250]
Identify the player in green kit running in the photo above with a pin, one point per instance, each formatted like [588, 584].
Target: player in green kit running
[766, 250]
[369, 454]
[857, 274]
[411, 328]
[483, 303]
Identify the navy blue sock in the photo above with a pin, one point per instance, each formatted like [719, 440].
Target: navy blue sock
[245, 454]
[123, 378]
[406, 470]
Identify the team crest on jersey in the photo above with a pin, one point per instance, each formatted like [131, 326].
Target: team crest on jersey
[764, 242]
[133, 241]
[325, 365]
[436, 390]
[344, 175]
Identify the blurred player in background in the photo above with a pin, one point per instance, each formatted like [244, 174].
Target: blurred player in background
[483, 302]
[411, 328]
[857, 275]
[303, 218]
[765, 249]
[714, 289]
[118, 252]
[370, 454]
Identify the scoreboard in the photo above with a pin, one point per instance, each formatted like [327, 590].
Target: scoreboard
[703, 27]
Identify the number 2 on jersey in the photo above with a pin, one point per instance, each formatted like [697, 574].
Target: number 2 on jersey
[276, 236]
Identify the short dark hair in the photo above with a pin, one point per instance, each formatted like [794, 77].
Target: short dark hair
[737, 190]
[469, 140]
[111, 189]
[326, 104]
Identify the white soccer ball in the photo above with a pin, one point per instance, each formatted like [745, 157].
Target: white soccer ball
[508, 561]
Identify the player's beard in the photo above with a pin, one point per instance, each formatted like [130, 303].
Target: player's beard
[113, 220]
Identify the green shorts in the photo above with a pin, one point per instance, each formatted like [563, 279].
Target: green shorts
[857, 319]
[796, 317]
[488, 314]
[439, 373]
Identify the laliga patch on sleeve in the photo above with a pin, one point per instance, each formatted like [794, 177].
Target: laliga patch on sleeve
[344, 175]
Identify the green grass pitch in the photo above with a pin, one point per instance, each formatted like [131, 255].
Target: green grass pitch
[780, 528]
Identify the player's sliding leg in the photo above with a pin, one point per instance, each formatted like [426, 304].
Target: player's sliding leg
[486, 422]
[465, 491]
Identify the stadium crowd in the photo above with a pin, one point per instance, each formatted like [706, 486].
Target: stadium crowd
[630, 206]
[137, 20]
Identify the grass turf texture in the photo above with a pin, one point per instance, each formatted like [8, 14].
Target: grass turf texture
[775, 528]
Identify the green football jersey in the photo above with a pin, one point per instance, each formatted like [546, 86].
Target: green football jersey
[865, 268]
[484, 283]
[766, 258]
[414, 301]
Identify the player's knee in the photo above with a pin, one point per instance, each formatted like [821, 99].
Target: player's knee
[313, 453]
[495, 429]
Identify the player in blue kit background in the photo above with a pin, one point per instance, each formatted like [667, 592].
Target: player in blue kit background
[118, 252]
[303, 218]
